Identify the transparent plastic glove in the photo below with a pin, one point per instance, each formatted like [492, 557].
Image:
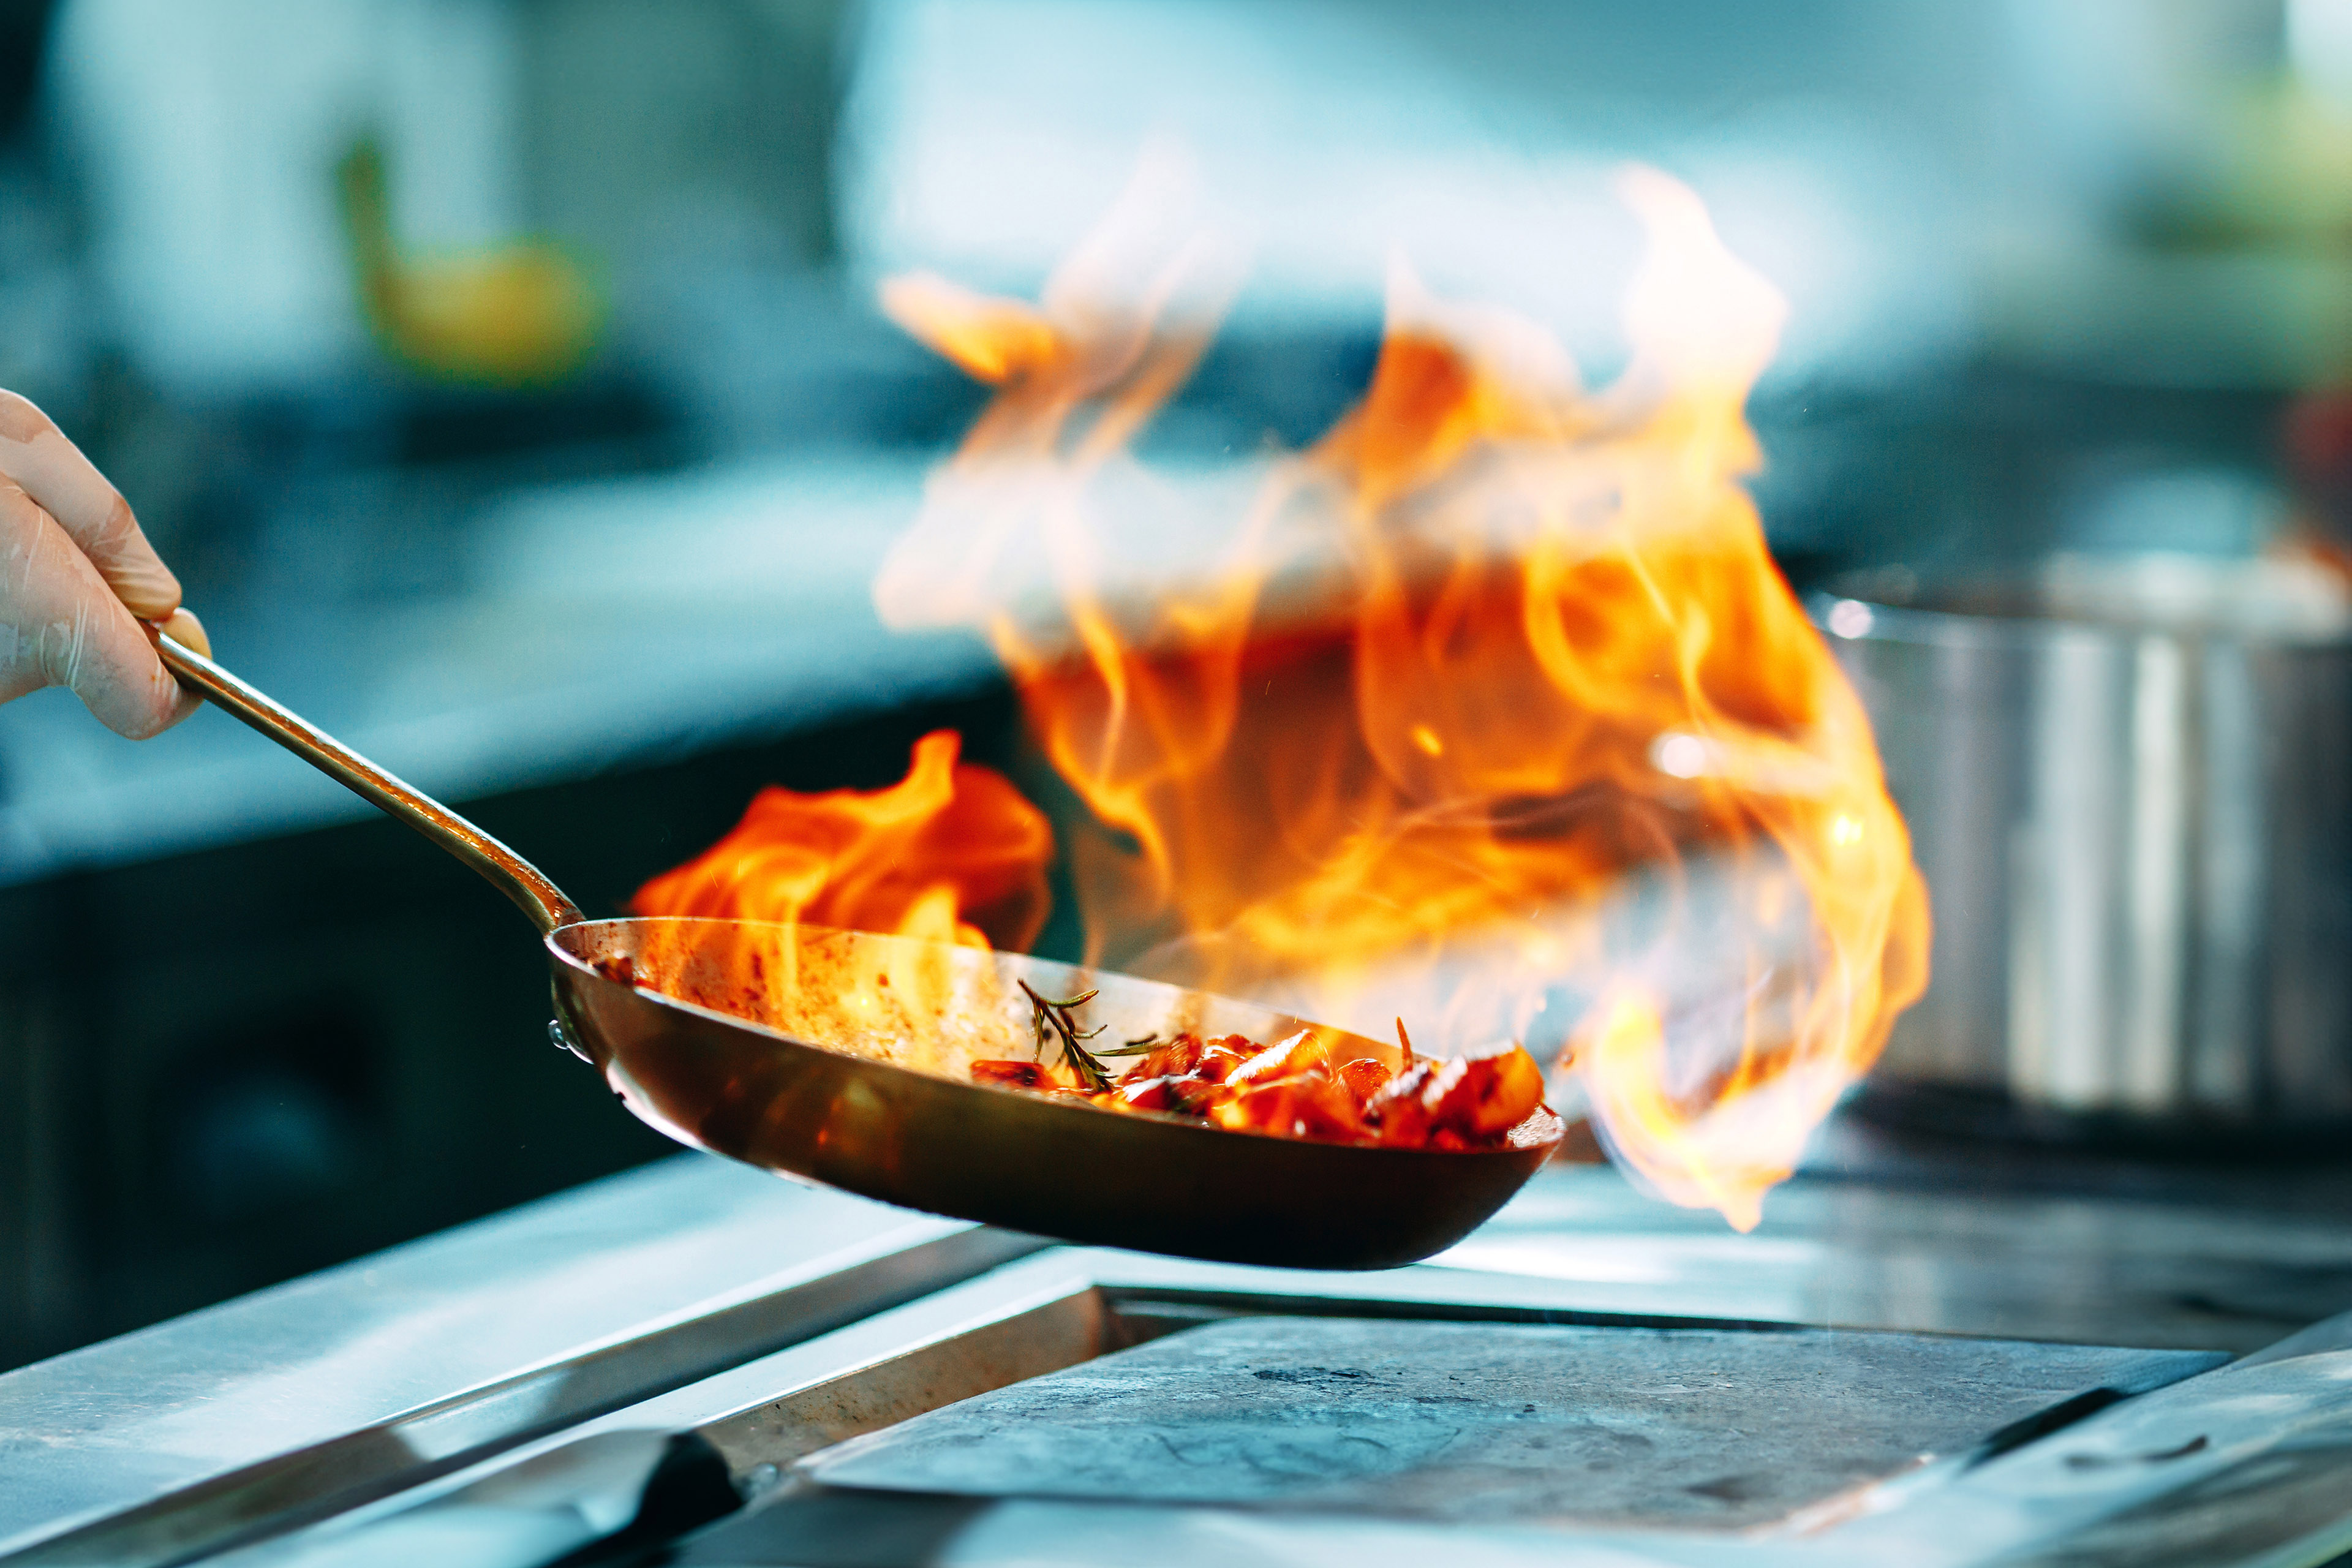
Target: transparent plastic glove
[75, 579]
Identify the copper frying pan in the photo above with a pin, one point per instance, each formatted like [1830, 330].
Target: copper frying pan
[884, 1129]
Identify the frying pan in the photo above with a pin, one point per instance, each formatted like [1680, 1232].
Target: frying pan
[763, 1092]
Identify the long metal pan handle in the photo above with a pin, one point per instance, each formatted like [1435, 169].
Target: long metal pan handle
[508, 872]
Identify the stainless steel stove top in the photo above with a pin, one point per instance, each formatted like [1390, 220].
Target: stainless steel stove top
[1471, 1423]
[695, 1364]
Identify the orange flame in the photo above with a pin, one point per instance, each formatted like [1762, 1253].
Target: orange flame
[949, 853]
[1495, 710]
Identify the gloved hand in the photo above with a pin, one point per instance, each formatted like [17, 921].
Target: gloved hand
[74, 571]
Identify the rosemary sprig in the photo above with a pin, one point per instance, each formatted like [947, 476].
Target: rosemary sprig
[1053, 1017]
[1141, 1047]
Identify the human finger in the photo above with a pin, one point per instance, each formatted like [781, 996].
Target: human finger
[36, 456]
[61, 624]
[187, 631]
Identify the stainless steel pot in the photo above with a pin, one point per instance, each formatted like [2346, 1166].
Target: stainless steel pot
[2129, 786]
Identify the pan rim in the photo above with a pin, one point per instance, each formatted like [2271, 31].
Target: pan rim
[1544, 1144]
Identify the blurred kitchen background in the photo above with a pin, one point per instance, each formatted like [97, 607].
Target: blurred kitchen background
[503, 379]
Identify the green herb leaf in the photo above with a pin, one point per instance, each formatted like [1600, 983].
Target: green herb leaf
[1049, 1014]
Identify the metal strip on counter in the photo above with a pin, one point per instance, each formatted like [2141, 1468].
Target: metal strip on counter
[243, 1420]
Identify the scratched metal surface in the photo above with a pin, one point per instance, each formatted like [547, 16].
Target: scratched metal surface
[1489, 1423]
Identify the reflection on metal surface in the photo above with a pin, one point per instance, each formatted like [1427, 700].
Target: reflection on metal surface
[1960, 1259]
[1051, 1166]
[2236, 1465]
[357, 1466]
[325, 1391]
[2091, 1269]
[2130, 789]
[1490, 1423]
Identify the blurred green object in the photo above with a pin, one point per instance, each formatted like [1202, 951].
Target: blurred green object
[2213, 247]
[523, 313]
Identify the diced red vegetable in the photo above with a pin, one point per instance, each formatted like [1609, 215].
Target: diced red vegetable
[1292, 1088]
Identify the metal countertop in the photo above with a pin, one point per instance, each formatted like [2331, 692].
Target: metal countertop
[435, 1354]
[374, 1347]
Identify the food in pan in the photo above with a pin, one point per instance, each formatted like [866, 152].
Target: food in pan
[1291, 1087]
[1295, 1087]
